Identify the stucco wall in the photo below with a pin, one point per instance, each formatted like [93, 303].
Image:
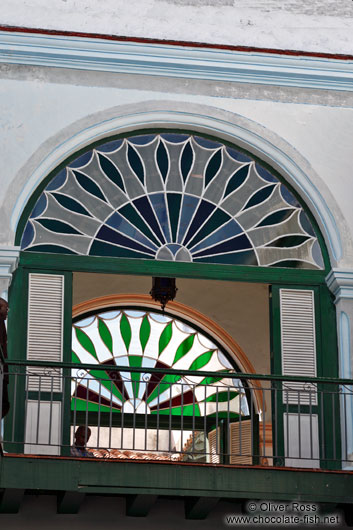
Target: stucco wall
[323, 26]
[41, 108]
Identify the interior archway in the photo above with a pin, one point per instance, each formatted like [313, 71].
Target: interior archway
[130, 331]
[182, 311]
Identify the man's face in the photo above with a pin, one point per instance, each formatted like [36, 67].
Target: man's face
[4, 307]
[80, 437]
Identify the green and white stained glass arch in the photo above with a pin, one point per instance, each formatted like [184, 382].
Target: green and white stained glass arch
[147, 339]
[174, 197]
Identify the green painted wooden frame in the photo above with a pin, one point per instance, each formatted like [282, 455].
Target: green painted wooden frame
[66, 264]
[17, 341]
[327, 366]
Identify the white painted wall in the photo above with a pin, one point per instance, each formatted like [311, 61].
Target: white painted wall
[41, 107]
[315, 25]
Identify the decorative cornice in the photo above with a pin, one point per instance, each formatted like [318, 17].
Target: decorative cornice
[340, 283]
[8, 261]
[173, 42]
[167, 60]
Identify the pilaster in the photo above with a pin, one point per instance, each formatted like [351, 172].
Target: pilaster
[8, 263]
[340, 283]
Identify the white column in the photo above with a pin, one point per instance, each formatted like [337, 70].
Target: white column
[340, 282]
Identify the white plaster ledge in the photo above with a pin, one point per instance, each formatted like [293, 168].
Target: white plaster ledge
[340, 283]
[8, 262]
[165, 60]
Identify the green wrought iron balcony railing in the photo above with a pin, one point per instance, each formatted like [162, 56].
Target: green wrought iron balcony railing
[124, 412]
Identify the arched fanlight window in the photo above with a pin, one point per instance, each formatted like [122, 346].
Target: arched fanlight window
[147, 339]
[173, 197]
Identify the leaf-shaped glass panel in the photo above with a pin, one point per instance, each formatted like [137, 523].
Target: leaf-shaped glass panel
[213, 166]
[162, 160]
[175, 189]
[111, 171]
[89, 185]
[135, 163]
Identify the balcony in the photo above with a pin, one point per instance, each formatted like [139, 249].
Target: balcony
[197, 434]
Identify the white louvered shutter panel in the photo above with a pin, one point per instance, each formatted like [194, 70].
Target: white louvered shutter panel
[240, 443]
[298, 344]
[214, 440]
[45, 329]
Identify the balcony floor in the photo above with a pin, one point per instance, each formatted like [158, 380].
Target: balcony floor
[112, 477]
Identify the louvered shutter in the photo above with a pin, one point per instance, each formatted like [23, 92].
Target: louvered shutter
[240, 443]
[45, 329]
[214, 441]
[298, 344]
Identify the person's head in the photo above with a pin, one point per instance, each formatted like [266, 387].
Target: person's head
[4, 307]
[82, 435]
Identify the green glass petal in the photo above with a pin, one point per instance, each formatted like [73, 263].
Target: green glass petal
[260, 196]
[276, 217]
[58, 226]
[75, 358]
[174, 200]
[51, 249]
[165, 337]
[89, 185]
[71, 204]
[221, 397]
[162, 160]
[111, 171]
[81, 405]
[135, 163]
[184, 348]
[213, 166]
[288, 241]
[135, 361]
[125, 330]
[145, 331]
[237, 180]
[86, 342]
[166, 382]
[187, 410]
[202, 360]
[105, 334]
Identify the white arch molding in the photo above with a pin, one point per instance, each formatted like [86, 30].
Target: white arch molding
[199, 118]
